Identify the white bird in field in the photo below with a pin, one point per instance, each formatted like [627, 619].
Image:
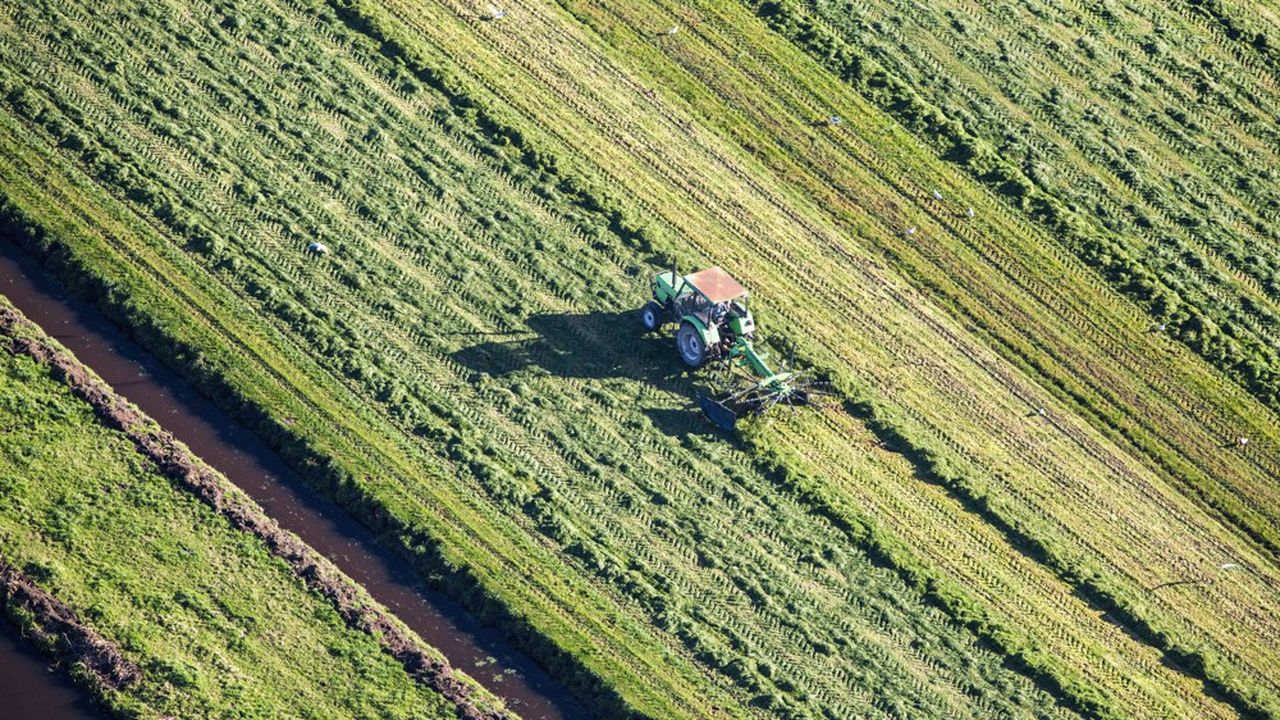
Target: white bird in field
[969, 212]
[496, 14]
[911, 230]
[1228, 566]
[318, 248]
[937, 195]
[671, 30]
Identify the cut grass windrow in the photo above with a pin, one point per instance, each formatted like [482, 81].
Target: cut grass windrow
[453, 369]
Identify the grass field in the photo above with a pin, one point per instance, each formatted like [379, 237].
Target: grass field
[1026, 470]
[978, 526]
[215, 623]
[1150, 129]
[555, 479]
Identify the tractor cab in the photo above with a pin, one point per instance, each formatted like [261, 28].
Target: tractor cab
[711, 300]
[715, 323]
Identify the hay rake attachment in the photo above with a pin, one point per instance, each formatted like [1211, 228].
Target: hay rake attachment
[737, 393]
[715, 325]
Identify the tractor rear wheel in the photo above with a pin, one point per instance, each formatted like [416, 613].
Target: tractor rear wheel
[651, 316]
[689, 342]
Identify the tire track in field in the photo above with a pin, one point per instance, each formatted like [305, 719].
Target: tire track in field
[565, 616]
[579, 108]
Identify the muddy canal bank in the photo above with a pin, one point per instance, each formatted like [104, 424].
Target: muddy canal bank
[31, 690]
[249, 464]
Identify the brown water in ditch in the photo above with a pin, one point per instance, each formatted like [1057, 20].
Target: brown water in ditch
[479, 651]
[31, 690]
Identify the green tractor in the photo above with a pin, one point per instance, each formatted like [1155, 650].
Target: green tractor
[715, 325]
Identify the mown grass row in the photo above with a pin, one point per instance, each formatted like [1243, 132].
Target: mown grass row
[1194, 292]
[227, 255]
[214, 621]
[452, 430]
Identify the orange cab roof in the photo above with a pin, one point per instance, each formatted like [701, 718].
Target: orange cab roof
[716, 284]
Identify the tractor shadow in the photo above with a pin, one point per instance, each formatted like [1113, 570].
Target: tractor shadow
[598, 346]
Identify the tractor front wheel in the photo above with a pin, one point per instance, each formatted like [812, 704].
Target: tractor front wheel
[689, 342]
[651, 316]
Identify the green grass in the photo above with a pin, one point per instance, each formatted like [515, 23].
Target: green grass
[1141, 136]
[632, 547]
[711, 138]
[218, 626]
[465, 372]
